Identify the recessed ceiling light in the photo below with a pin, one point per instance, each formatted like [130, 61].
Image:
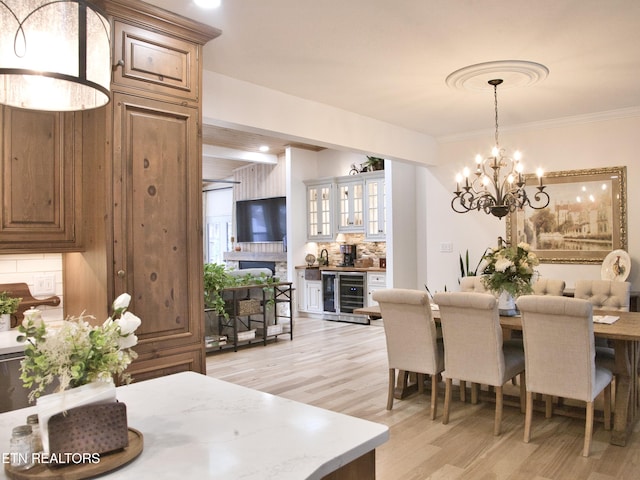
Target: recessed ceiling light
[207, 3]
[264, 148]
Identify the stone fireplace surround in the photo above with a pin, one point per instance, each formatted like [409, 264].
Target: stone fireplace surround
[233, 260]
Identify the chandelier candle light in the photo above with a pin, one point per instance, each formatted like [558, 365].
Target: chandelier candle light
[499, 184]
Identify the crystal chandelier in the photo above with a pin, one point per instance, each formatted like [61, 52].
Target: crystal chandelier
[498, 187]
[54, 55]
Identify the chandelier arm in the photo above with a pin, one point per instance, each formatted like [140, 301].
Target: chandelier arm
[542, 197]
[501, 174]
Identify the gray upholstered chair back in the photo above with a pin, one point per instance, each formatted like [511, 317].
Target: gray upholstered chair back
[472, 284]
[559, 346]
[472, 337]
[548, 286]
[604, 294]
[409, 329]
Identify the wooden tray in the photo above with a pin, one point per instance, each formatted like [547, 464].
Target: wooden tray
[108, 462]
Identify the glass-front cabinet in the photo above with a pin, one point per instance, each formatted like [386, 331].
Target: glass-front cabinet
[350, 203]
[320, 211]
[375, 215]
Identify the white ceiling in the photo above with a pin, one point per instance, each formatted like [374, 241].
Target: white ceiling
[389, 59]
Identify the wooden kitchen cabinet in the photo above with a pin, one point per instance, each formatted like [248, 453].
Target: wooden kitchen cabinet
[155, 63]
[144, 203]
[41, 186]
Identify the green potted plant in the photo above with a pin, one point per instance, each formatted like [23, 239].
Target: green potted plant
[217, 278]
[8, 306]
[374, 163]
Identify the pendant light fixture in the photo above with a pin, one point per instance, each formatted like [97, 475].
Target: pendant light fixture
[498, 187]
[54, 55]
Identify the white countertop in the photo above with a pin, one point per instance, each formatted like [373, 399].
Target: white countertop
[8, 342]
[196, 426]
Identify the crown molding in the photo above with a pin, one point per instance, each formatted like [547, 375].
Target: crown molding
[552, 123]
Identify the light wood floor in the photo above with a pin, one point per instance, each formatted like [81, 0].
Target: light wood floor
[343, 367]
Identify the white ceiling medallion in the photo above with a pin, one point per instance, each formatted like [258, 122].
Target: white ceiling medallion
[515, 73]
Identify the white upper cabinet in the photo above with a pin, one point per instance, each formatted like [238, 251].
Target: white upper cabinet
[350, 204]
[320, 211]
[375, 215]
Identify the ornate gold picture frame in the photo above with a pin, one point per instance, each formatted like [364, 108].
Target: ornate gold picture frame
[585, 220]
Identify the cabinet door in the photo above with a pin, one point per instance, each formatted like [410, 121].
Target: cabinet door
[320, 212]
[300, 290]
[155, 62]
[313, 295]
[157, 236]
[375, 281]
[41, 181]
[375, 219]
[350, 206]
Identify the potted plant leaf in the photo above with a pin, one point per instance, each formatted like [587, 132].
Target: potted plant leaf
[8, 306]
[374, 163]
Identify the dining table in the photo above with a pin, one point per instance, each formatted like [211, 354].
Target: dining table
[624, 336]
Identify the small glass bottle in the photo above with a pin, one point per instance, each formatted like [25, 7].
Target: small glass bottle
[21, 449]
[36, 437]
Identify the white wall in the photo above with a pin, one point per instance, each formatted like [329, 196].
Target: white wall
[300, 165]
[612, 142]
[402, 225]
[246, 106]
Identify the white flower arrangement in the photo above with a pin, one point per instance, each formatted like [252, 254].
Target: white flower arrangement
[78, 353]
[510, 269]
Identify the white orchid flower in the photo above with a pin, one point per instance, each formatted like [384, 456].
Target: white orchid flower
[122, 302]
[128, 341]
[128, 323]
[502, 264]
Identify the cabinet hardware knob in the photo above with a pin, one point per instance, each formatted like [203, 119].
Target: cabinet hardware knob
[121, 273]
[119, 64]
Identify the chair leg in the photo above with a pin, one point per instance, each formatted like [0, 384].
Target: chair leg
[447, 401]
[523, 392]
[588, 430]
[392, 386]
[474, 393]
[420, 382]
[527, 417]
[548, 406]
[463, 391]
[498, 419]
[607, 407]
[434, 396]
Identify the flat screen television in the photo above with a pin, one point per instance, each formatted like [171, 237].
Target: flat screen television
[262, 220]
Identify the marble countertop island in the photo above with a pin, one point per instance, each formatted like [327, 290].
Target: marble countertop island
[196, 426]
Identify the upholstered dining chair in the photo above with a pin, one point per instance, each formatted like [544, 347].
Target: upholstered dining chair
[412, 344]
[605, 295]
[548, 286]
[473, 347]
[472, 284]
[560, 357]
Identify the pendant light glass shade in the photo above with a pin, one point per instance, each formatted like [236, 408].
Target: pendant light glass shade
[54, 55]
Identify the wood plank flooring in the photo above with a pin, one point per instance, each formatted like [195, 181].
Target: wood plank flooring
[343, 367]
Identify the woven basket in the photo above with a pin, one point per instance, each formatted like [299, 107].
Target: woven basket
[245, 307]
[98, 428]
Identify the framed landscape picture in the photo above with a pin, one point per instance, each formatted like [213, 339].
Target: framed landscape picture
[585, 220]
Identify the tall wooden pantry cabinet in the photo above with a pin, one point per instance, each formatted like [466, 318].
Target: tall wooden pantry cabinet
[142, 188]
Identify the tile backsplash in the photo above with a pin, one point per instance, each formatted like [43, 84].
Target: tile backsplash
[23, 268]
